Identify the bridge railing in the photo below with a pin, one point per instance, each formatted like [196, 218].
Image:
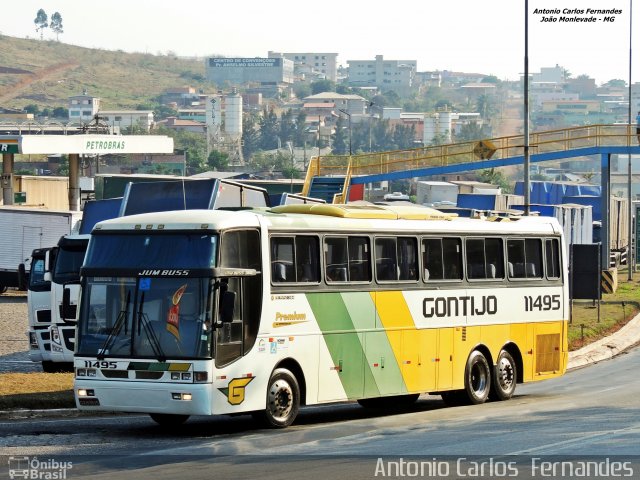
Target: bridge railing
[456, 153]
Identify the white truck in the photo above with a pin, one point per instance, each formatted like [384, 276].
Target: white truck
[62, 269]
[23, 230]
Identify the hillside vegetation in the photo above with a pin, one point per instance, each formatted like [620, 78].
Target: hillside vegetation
[46, 73]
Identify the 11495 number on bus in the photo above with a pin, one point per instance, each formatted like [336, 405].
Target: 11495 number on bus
[541, 303]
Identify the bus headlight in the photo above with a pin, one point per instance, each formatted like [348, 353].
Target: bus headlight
[81, 372]
[181, 396]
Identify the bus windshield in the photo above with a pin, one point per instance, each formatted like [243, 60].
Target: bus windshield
[145, 317]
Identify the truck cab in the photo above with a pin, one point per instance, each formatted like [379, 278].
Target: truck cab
[39, 310]
[64, 274]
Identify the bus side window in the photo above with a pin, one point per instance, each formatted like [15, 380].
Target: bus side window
[552, 253]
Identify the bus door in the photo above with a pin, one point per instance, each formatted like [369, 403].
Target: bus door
[233, 339]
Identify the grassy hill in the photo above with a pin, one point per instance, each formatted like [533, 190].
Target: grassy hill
[46, 73]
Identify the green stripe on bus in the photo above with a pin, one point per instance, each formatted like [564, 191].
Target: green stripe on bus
[378, 352]
[345, 346]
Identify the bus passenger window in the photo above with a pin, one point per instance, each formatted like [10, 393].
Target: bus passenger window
[552, 253]
[524, 258]
[485, 258]
[396, 259]
[295, 259]
[442, 259]
[347, 259]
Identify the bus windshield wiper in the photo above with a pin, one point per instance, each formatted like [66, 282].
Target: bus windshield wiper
[115, 331]
[143, 321]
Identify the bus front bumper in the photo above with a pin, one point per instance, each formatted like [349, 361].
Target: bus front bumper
[143, 397]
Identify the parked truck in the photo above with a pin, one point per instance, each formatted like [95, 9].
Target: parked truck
[23, 230]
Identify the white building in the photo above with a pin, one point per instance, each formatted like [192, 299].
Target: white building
[82, 108]
[397, 75]
[128, 119]
[320, 64]
[352, 104]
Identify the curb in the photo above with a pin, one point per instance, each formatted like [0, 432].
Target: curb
[607, 347]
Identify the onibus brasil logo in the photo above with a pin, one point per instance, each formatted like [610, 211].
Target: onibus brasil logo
[27, 467]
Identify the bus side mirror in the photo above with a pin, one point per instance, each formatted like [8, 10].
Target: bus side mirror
[22, 277]
[227, 306]
[66, 305]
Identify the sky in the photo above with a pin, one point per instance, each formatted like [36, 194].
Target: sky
[457, 35]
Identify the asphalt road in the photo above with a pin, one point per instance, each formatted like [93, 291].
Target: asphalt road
[590, 413]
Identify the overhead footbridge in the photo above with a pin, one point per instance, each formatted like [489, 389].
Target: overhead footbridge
[331, 177]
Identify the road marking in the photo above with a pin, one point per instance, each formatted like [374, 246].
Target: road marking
[580, 439]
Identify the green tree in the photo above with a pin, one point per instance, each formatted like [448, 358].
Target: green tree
[339, 138]
[300, 134]
[470, 131]
[250, 136]
[320, 86]
[287, 126]
[218, 160]
[616, 83]
[302, 90]
[495, 177]
[490, 79]
[484, 106]
[63, 168]
[60, 112]
[32, 108]
[192, 144]
[269, 130]
[56, 24]
[41, 21]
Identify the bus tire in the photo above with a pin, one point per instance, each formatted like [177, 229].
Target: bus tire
[504, 379]
[168, 420]
[2, 289]
[283, 400]
[477, 378]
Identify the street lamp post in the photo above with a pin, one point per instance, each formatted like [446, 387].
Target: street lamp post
[630, 254]
[349, 117]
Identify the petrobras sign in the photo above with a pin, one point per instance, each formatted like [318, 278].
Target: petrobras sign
[95, 144]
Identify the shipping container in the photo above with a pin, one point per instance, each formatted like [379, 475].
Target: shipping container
[430, 193]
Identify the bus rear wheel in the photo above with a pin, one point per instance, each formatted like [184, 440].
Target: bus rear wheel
[477, 378]
[168, 420]
[283, 400]
[504, 378]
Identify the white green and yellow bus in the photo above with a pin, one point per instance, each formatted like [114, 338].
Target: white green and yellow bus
[261, 311]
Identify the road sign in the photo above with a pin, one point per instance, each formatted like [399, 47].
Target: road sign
[8, 147]
[19, 197]
[484, 149]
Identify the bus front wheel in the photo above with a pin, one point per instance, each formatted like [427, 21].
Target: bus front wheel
[283, 399]
[168, 420]
[477, 378]
[504, 377]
